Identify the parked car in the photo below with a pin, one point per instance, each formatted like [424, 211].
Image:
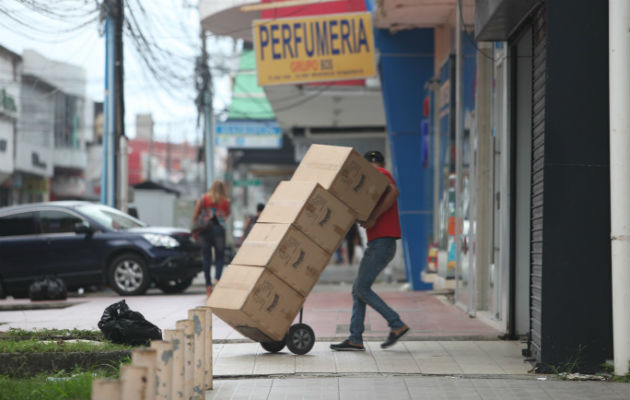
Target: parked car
[91, 244]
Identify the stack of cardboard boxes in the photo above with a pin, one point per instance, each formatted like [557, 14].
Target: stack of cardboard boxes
[302, 225]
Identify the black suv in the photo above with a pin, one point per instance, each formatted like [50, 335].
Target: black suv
[91, 244]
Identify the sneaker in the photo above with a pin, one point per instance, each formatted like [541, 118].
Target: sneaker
[394, 335]
[347, 345]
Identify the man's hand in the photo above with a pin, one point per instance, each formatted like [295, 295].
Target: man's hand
[369, 223]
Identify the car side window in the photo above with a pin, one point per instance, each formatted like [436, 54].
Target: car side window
[19, 224]
[57, 221]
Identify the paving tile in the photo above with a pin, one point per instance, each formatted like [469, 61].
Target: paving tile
[471, 359]
[437, 388]
[376, 387]
[252, 389]
[216, 350]
[354, 361]
[507, 355]
[621, 389]
[432, 358]
[236, 359]
[319, 360]
[393, 360]
[274, 363]
[499, 389]
[580, 391]
[306, 389]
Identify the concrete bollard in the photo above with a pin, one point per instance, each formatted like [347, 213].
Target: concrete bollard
[163, 368]
[188, 327]
[207, 329]
[105, 389]
[133, 382]
[176, 336]
[199, 351]
[146, 357]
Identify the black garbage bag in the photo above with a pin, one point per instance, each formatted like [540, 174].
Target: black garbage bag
[123, 326]
[48, 288]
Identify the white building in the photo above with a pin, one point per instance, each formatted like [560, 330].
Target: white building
[10, 76]
[56, 121]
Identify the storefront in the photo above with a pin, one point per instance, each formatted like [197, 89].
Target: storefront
[552, 172]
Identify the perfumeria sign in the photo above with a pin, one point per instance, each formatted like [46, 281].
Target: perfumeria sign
[314, 49]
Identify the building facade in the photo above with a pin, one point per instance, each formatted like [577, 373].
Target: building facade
[557, 172]
[10, 77]
[497, 127]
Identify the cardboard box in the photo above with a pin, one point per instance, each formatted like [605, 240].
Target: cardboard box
[314, 211]
[286, 252]
[346, 174]
[255, 302]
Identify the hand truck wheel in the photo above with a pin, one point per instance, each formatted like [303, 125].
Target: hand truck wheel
[273, 347]
[300, 339]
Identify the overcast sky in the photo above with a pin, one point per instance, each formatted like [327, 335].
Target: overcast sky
[173, 24]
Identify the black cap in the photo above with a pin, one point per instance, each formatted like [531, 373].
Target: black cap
[374, 156]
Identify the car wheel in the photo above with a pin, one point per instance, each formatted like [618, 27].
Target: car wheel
[3, 294]
[175, 285]
[129, 275]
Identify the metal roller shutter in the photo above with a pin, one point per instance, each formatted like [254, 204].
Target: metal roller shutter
[539, 75]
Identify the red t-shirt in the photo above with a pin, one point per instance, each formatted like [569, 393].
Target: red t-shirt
[388, 224]
[221, 210]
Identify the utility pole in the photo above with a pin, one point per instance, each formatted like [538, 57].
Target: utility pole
[114, 127]
[120, 157]
[204, 106]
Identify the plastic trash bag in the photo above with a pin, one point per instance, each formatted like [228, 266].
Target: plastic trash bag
[48, 288]
[121, 325]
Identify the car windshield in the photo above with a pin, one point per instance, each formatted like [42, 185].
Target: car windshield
[110, 217]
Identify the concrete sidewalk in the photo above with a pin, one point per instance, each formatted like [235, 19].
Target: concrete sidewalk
[466, 370]
[392, 387]
[446, 355]
[406, 357]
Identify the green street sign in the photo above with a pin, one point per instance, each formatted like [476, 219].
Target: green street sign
[246, 182]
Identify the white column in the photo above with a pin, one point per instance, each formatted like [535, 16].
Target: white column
[188, 327]
[133, 382]
[199, 351]
[176, 336]
[483, 189]
[459, 126]
[145, 358]
[163, 368]
[207, 338]
[619, 83]
[105, 389]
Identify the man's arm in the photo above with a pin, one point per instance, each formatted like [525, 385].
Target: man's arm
[388, 200]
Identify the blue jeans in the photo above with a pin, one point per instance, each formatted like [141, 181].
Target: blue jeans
[215, 238]
[378, 254]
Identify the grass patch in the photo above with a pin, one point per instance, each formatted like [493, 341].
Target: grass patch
[37, 346]
[51, 334]
[76, 385]
[609, 369]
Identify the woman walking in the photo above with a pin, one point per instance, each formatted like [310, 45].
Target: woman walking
[216, 201]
